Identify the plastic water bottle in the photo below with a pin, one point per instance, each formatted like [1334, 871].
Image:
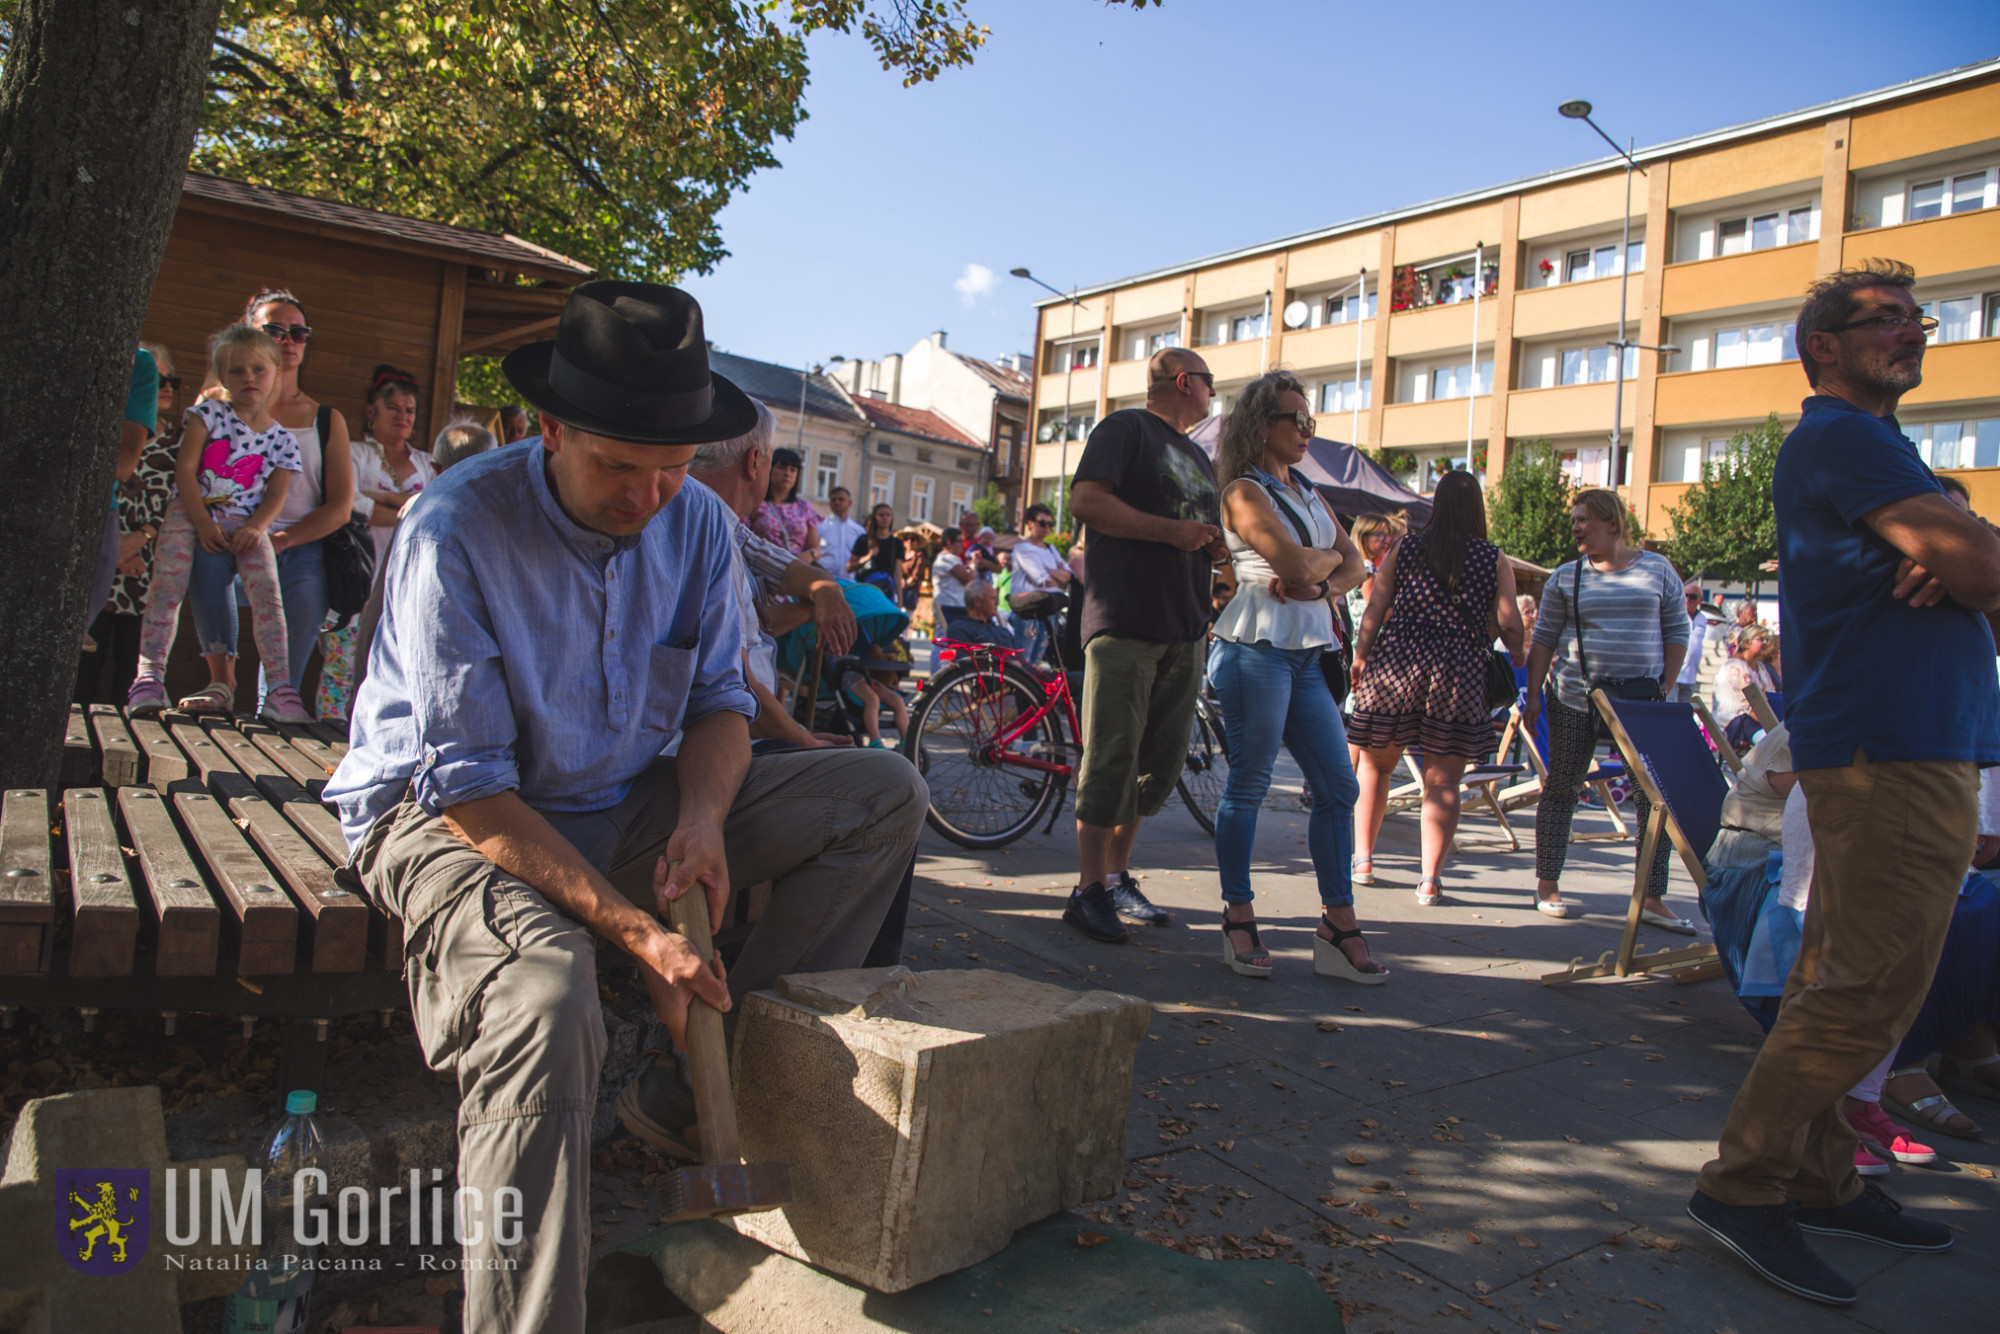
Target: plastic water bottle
[273, 1300]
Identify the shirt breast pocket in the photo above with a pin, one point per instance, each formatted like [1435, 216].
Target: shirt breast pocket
[669, 672]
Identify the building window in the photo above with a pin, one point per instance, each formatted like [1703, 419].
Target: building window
[1246, 327]
[827, 475]
[1952, 194]
[1958, 444]
[1162, 340]
[1593, 365]
[1052, 431]
[884, 447]
[1735, 236]
[1346, 395]
[881, 487]
[963, 465]
[1350, 309]
[1082, 356]
[961, 501]
[1752, 345]
[1456, 381]
[1964, 317]
[923, 455]
[920, 499]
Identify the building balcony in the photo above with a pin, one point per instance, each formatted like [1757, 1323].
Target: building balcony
[1545, 312]
[1781, 273]
[1571, 409]
[1330, 345]
[1123, 379]
[1080, 386]
[1958, 373]
[1661, 498]
[1231, 362]
[1935, 247]
[1411, 425]
[1742, 393]
[1413, 288]
[1440, 329]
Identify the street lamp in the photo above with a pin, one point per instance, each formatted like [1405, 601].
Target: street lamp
[1069, 375]
[1578, 109]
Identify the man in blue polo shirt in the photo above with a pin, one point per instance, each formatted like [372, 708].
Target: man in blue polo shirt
[1893, 707]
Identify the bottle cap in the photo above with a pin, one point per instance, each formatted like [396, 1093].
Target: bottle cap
[301, 1102]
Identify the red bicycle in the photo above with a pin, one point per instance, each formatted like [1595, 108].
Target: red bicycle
[997, 741]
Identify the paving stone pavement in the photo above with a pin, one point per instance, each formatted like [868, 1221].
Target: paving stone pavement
[1462, 1143]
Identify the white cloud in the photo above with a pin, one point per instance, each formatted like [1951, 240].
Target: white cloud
[975, 282]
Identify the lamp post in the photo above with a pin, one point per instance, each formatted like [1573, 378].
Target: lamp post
[1069, 375]
[1580, 110]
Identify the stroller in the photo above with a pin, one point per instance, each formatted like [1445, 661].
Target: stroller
[821, 698]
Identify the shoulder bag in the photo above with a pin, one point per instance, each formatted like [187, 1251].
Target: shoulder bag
[348, 552]
[1501, 691]
[1334, 663]
[1618, 687]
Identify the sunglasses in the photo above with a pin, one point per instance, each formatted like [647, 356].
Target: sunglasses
[1301, 419]
[297, 333]
[1205, 377]
[171, 381]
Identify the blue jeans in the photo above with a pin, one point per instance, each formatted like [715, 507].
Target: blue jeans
[302, 581]
[1272, 696]
[1034, 638]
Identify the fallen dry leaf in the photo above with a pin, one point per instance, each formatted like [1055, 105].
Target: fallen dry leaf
[1328, 1026]
[1089, 1239]
[1984, 1173]
[1549, 1325]
[1572, 1139]
[1650, 1306]
[1370, 1123]
[1473, 1238]
[1226, 1145]
[1357, 1159]
[1526, 1242]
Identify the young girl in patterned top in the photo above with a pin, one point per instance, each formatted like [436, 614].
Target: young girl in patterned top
[235, 465]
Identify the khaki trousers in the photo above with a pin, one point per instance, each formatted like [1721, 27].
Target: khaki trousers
[1892, 845]
[1137, 713]
[504, 988]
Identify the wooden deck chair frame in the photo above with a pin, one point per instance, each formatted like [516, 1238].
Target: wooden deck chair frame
[1760, 704]
[1717, 737]
[1690, 964]
[1529, 791]
[1410, 795]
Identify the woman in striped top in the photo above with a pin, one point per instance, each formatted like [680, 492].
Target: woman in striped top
[1628, 602]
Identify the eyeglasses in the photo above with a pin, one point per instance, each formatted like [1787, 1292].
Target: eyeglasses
[1043, 523]
[1205, 377]
[171, 381]
[297, 333]
[1893, 323]
[1301, 419]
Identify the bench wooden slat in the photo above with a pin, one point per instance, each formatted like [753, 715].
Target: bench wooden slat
[27, 882]
[317, 752]
[104, 930]
[166, 763]
[189, 922]
[120, 754]
[321, 828]
[336, 921]
[238, 749]
[79, 760]
[301, 768]
[262, 917]
[209, 760]
[334, 738]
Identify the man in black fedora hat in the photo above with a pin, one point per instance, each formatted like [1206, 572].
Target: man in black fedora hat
[553, 613]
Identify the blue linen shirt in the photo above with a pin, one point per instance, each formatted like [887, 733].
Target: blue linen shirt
[521, 651]
[1863, 669]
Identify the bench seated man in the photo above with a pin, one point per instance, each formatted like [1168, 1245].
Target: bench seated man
[554, 613]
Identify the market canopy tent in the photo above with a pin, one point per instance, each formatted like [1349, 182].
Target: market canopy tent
[1348, 480]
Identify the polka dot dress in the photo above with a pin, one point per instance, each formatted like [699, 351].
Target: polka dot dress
[1425, 686]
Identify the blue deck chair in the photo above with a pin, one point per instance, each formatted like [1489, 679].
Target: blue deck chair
[1674, 765]
[1534, 749]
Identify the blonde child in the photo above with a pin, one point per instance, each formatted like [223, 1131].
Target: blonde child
[235, 465]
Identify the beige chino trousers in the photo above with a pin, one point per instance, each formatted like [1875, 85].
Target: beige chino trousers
[504, 988]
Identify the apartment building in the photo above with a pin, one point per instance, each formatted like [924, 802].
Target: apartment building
[910, 459]
[1475, 323]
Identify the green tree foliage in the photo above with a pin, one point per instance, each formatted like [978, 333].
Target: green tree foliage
[1726, 527]
[991, 508]
[1527, 510]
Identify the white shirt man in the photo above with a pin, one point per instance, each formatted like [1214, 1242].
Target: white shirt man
[1690, 676]
[950, 576]
[838, 534]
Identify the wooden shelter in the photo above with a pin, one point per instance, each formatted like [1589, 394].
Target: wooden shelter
[376, 287]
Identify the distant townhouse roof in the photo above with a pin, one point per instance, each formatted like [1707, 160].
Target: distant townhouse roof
[887, 416]
[1010, 383]
[778, 386]
[1672, 148]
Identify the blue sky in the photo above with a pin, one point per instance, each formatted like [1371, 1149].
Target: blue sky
[1088, 143]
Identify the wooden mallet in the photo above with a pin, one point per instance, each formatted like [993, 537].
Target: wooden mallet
[724, 1183]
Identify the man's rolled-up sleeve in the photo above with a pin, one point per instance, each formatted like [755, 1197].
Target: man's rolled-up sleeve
[718, 685]
[451, 669]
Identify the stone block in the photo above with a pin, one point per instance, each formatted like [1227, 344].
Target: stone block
[927, 1116]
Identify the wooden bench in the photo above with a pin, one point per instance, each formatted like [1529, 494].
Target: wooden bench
[187, 865]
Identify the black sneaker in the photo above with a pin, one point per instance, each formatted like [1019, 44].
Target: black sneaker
[658, 1106]
[1873, 1216]
[1134, 907]
[1767, 1237]
[1091, 911]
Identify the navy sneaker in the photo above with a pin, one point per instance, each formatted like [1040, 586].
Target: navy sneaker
[658, 1106]
[1767, 1238]
[1091, 911]
[1873, 1216]
[1135, 907]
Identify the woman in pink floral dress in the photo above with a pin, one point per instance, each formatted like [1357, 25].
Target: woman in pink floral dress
[785, 518]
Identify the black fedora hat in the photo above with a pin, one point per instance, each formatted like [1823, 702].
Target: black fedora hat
[629, 361]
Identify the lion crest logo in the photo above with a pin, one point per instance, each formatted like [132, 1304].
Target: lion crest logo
[103, 1218]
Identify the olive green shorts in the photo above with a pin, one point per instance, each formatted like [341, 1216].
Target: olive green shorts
[1138, 710]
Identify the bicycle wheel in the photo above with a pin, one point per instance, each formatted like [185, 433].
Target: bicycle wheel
[1207, 772]
[977, 799]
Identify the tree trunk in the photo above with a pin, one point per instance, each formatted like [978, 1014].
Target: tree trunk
[98, 103]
